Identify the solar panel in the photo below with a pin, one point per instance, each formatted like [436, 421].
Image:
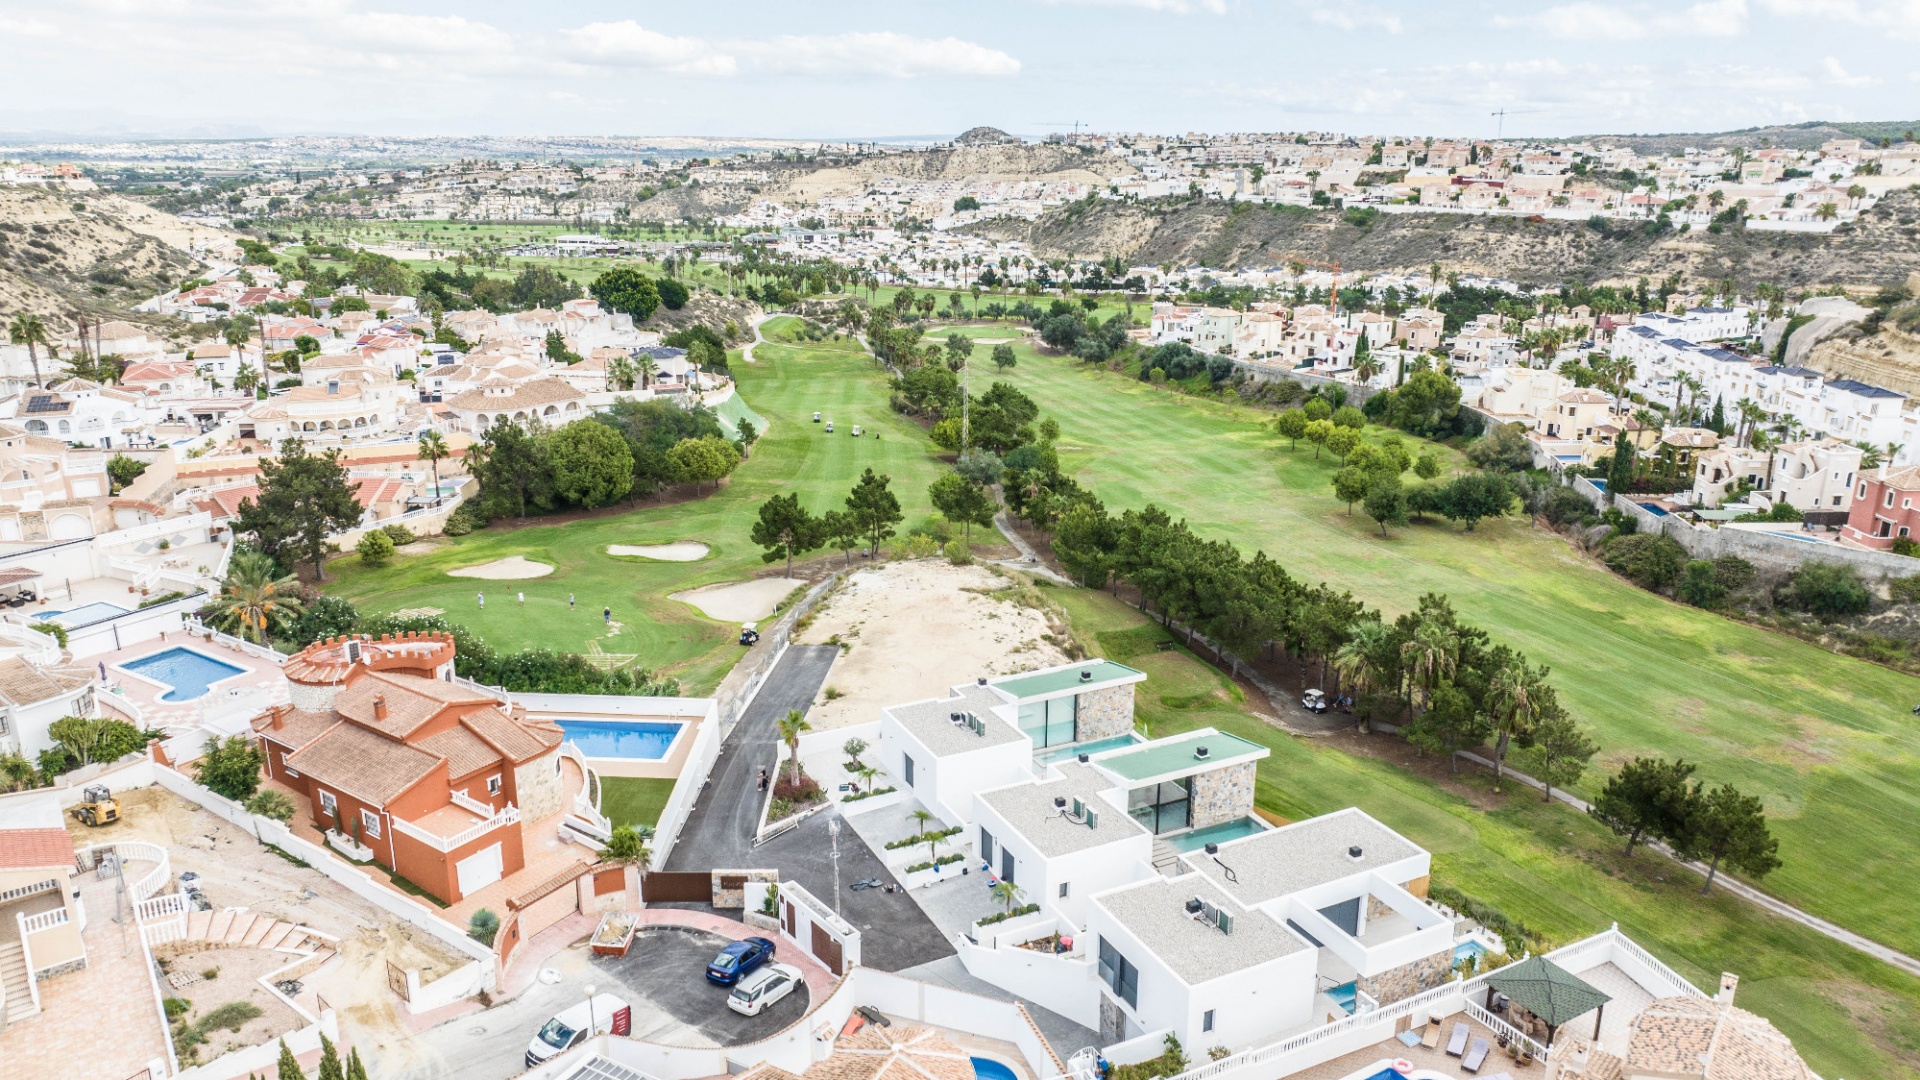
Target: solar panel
[43, 403]
[599, 1068]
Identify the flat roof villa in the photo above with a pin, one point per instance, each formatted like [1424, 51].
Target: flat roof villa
[1166, 905]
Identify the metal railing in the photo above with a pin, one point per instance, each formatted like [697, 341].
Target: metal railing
[448, 843]
[193, 625]
[1512, 1035]
[1261, 1054]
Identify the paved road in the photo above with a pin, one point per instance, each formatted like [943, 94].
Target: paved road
[895, 933]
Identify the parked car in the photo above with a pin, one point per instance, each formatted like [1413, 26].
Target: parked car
[603, 1014]
[1314, 701]
[738, 958]
[759, 991]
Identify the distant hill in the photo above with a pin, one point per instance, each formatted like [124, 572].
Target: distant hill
[1880, 249]
[985, 136]
[62, 252]
[1807, 136]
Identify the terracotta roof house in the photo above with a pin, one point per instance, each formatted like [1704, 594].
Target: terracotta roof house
[1710, 1038]
[431, 777]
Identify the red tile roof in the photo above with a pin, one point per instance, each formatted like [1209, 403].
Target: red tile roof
[33, 849]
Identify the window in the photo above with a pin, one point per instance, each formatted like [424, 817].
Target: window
[370, 823]
[1119, 974]
[986, 846]
[493, 785]
[907, 769]
[1206, 1020]
[1053, 722]
[328, 806]
[1064, 887]
[1161, 807]
[1889, 498]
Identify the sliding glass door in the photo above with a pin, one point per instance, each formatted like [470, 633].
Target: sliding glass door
[1052, 722]
[1162, 807]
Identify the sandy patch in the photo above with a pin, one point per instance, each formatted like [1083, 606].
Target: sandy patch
[993, 340]
[678, 551]
[740, 601]
[510, 568]
[915, 632]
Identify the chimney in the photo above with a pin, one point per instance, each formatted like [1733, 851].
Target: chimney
[1729, 982]
[1880, 473]
[379, 706]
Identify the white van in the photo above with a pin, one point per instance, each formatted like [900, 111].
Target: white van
[604, 1014]
[759, 991]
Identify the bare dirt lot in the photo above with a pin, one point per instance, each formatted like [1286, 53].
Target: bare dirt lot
[916, 628]
[237, 871]
[236, 974]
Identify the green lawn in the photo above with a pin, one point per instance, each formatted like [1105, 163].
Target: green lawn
[1549, 866]
[783, 388]
[633, 800]
[1827, 740]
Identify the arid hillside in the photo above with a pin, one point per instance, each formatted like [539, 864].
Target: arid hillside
[1882, 248]
[62, 252]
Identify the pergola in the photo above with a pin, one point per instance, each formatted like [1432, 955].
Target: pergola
[1549, 992]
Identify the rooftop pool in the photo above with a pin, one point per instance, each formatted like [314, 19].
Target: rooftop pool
[84, 615]
[186, 673]
[1216, 834]
[1055, 754]
[632, 740]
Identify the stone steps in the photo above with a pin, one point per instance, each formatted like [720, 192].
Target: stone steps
[14, 976]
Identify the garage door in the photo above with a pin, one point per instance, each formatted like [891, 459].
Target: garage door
[479, 870]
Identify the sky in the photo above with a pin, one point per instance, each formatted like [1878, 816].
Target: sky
[850, 69]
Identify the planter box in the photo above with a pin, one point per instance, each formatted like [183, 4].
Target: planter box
[920, 879]
[898, 859]
[345, 845]
[762, 922]
[1017, 929]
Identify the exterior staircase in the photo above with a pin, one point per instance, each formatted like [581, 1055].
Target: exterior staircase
[13, 975]
[238, 926]
[1166, 859]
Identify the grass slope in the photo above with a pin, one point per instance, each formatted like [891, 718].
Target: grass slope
[1549, 866]
[784, 388]
[1826, 740]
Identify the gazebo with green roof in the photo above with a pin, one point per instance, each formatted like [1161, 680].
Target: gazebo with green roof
[1549, 992]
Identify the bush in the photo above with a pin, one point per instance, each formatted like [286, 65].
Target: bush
[1905, 590]
[230, 767]
[464, 520]
[176, 1008]
[482, 926]
[1025, 909]
[804, 790]
[399, 534]
[1513, 932]
[1906, 545]
[375, 547]
[1649, 561]
[230, 1017]
[1171, 1062]
[1565, 506]
[958, 552]
[271, 804]
[1828, 590]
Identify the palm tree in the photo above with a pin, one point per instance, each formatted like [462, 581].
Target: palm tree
[791, 727]
[1826, 211]
[646, 365]
[1513, 700]
[254, 600]
[1751, 414]
[28, 330]
[1007, 893]
[626, 847]
[1893, 452]
[433, 448]
[1869, 455]
[17, 770]
[620, 373]
[866, 773]
[1353, 661]
[1429, 657]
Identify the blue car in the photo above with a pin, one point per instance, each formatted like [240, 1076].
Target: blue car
[739, 958]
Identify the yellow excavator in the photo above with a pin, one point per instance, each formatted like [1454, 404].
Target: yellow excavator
[96, 806]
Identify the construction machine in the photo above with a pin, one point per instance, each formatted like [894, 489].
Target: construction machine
[96, 806]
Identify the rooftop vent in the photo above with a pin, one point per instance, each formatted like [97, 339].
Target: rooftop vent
[1086, 675]
[1213, 848]
[983, 680]
[1354, 853]
[1084, 759]
[955, 718]
[1059, 802]
[1200, 753]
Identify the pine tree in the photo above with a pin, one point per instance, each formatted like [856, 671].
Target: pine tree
[355, 1070]
[330, 1061]
[289, 1066]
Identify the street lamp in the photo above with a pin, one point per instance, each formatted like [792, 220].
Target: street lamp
[592, 1028]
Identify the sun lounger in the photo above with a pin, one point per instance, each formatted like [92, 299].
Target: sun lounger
[1431, 1039]
[1408, 1039]
[1476, 1057]
[1457, 1042]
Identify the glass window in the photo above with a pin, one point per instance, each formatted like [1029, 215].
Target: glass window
[370, 823]
[986, 846]
[1119, 974]
[327, 805]
[1162, 807]
[1051, 722]
[1206, 1020]
[907, 771]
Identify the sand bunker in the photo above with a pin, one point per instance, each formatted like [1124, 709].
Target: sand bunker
[508, 569]
[678, 551]
[740, 601]
[918, 628]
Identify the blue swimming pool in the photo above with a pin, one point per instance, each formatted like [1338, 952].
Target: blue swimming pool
[1054, 754]
[1343, 996]
[1472, 950]
[1654, 508]
[637, 740]
[989, 1069]
[188, 673]
[1216, 834]
[84, 615]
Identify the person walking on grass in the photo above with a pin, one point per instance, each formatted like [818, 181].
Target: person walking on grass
[607, 614]
[483, 601]
[569, 601]
[523, 598]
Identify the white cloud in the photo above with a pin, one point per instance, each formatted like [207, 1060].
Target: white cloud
[888, 55]
[27, 28]
[1350, 17]
[1172, 7]
[1600, 22]
[628, 44]
[1839, 76]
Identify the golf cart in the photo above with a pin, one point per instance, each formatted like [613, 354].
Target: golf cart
[816, 418]
[829, 427]
[856, 431]
[749, 633]
[1314, 701]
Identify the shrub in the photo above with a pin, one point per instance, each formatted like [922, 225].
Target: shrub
[1512, 931]
[804, 790]
[958, 552]
[1565, 506]
[1906, 545]
[464, 520]
[1171, 1062]
[1651, 562]
[230, 767]
[271, 804]
[944, 860]
[1828, 590]
[1698, 585]
[1905, 590]
[1023, 909]
[176, 1008]
[399, 534]
[230, 1017]
[375, 547]
[483, 926]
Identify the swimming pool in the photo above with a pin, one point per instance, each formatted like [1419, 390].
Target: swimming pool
[84, 615]
[1216, 834]
[1472, 950]
[1055, 754]
[989, 1069]
[188, 674]
[1343, 995]
[635, 740]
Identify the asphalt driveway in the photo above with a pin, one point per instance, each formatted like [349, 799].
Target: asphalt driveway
[663, 976]
[822, 853]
